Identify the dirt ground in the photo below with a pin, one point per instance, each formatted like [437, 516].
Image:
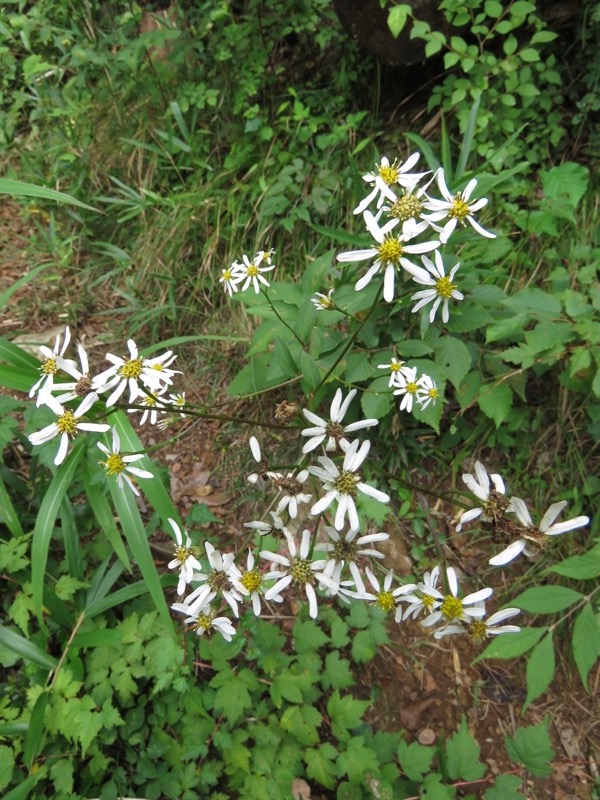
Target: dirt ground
[422, 686]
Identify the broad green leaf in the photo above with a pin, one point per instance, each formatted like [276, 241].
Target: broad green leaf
[546, 599]
[415, 759]
[531, 747]
[514, 645]
[358, 368]
[233, 692]
[453, 355]
[283, 356]
[462, 753]
[505, 788]
[495, 400]
[46, 520]
[22, 189]
[355, 759]
[580, 567]
[535, 301]
[345, 713]
[21, 379]
[540, 669]
[26, 649]
[378, 400]
[12, 354]
[321, 764]
[302, 722]
[397, 17]
[432, 788]
[567, 179]
[311, 374]
[508, 328]
[586, 641]
[7, 763]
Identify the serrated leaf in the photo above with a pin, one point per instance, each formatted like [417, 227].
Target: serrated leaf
[355, 759]
[580, 567]
[233, 695]
[531, 747]
[546, 599]
[463, 755]
[535, 301]
[308, 636]
[345, 713]
[504, 788]
[586, 642]
[507, 328]
[567, 179]
[514, 645]
[321, 764]
[7, 763]
[358, 368]
[453, 355]
[303, 723]
[337, 673]
[415, 759]
[540, 669]
[495, 401]
[378, 401]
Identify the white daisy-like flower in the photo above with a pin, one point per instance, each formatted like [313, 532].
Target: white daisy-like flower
[230, 277]
[291, 485]
[442, 289]
[267, 255]
[456, 208]
[343, 485]
[389, 253]
[407, 386]
[130, 372]
[263, 467]
[216, 582]
[533, 539]
[388, 175]
[54, 360]
[490, 489]
[407, 210]
[276, 528]
[203, 620]
[251, 272]
[331, 431]
[384, 597]
[427, 392]
[82, 385]
[479, 629]
[299, 571]
[120, 465]
[185, 560]
[152, 408]
[323, 302]
[426, 597]
[394, 367]
[250, 583]
[347, 550]
[66, 425]
[157, 374]
[453, 608]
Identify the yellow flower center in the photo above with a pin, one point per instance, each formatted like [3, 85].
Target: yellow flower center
[411, 388]
[182, 553]
[406, 207]
[396, 366]
[386, 601]
[478, 630]
[67, 423]
[203, 622]
[252, 271]
[389, 175]
[390, 251]
[346, 482]
[326, 302]
[433, 393]
[345, 551]
[131, 369]
[451, 608]
[149, 401]
[227, 274]
[445, 287]
[301, 571]
[114, 464]
[427, 601]
[459, 209]
[49, 367]
[251, 580]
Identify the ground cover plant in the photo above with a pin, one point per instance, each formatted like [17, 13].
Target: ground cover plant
[387, 354]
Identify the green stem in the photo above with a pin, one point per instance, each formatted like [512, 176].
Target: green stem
[283, 322]
[582, 602]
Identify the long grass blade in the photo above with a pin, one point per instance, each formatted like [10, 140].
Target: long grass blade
[467, 142]
[22, 189]
[8, 515]
[26, 649]
[104, 516]
[12, 354]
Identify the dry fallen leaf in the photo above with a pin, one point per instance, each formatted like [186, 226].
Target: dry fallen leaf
[300, 789]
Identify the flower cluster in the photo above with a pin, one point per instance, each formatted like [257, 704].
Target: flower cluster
[248, 273]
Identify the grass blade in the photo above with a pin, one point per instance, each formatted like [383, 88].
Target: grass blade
[23, 189]
[26, 649]
[105, 517]
[12, 354]
[33, 740]
[8, 515]
[467, 142]
[71, 540]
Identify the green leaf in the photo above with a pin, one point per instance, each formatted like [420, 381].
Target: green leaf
[337, 673]
[104, 516]
[540, 669]
[514, 645]
[495, 401]
[200, 515]
[586, 641]
[7, 764]
[535, 301]
[302, 722]
[453, 355]
[531, 747]
[23, 790]
[46, 519]
[22, 189]
[311, 374]
[378, 400]
[415, 759]
[529, 55]
[358, 368]
[355, 759]
[546, 599]
[33, 740]
[463, 755]
[308, 636]
[508, 328]
[283, 356]
[321, 764]
[233, 692]
[433, 789]
[26, 649]
[567, 179]
[504, 788]
[580, 567]
[345, 713]
[397, 17]
[8, 514]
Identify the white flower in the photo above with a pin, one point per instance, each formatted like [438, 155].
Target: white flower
[480, 629]
[426, 597]
[130, 372]
[82, 386]
[442, 287]
[263, 468]
[276, 528]
[388, 252]
[323, 302]
[250, 583]
[386, 176]
[291, 486]
[427, 392]
[408, 387]
[185, 560]
[300, 571]
[230, 277]
[394, 366]
[532, 539]
[452, 608]
[216, 582]
[456, 207]
[119, 465]
[251, 271]
[152, 408]
[347, 550]
[266, 255]
[332, 430]
[492, 494]
[54, 361]
[203, 620]
[385, 598]
[407, 210]
[343, 485]
[66, 425]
